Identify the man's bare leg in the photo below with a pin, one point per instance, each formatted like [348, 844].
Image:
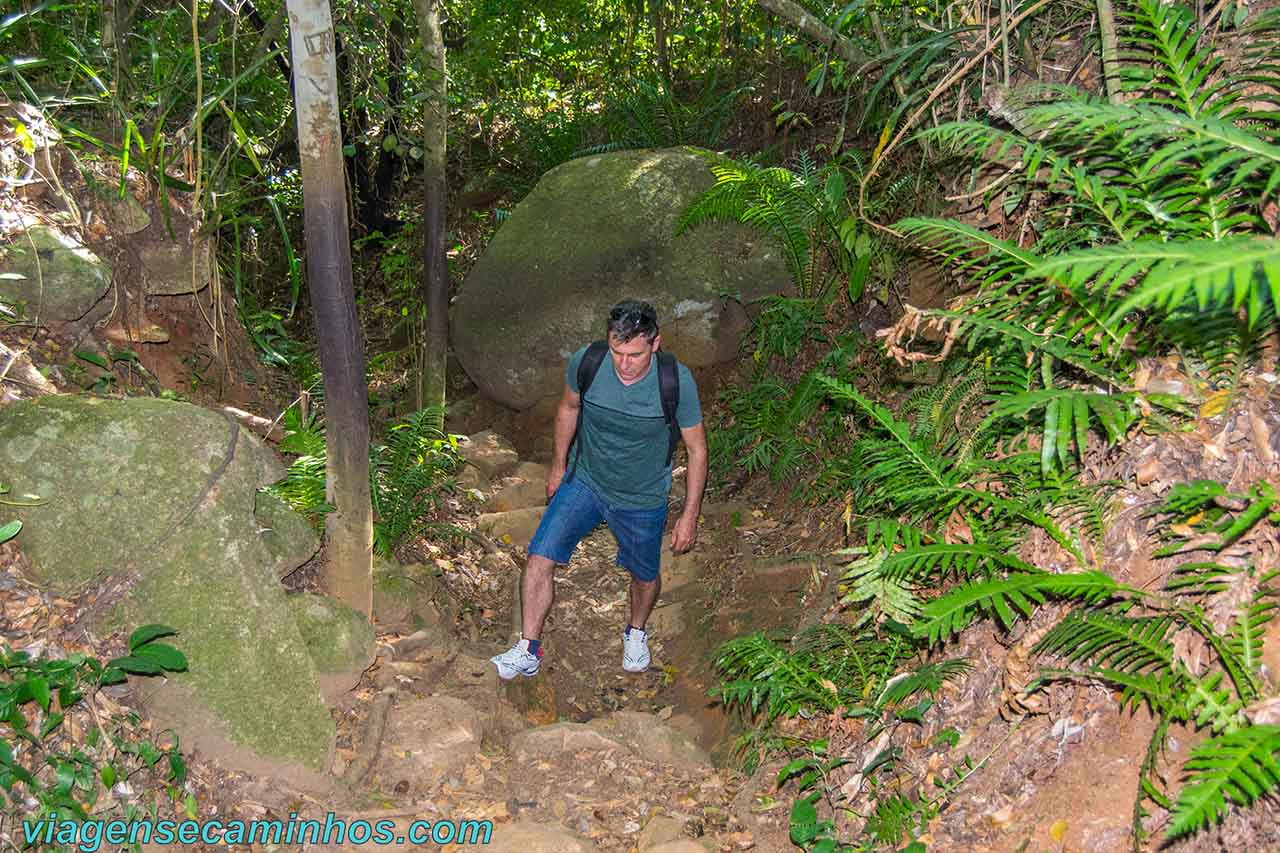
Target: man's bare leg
[644, 594]
[538, 594]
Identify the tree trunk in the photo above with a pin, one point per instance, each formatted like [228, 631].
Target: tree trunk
[659, 22]
[349, 571]
[434, 343]
[377, 214]
[1108, 42]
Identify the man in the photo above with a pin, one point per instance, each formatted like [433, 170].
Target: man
[619, 472]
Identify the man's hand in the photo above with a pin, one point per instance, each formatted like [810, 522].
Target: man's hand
[684, 534]
[554, 476]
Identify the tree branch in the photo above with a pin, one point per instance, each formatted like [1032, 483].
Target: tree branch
[815, 29]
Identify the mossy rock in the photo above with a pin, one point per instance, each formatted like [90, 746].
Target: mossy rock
[287, 535]
[61, 279]
[594, 231]
[338, 638]
[163, 494]
[409, 597]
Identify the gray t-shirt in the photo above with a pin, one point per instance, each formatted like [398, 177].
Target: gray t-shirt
[624, 437]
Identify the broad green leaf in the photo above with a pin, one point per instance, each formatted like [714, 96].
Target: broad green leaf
[146, 633]
[164, 656]
[38, 687]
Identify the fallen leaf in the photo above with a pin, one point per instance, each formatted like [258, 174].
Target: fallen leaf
[1216, 403]
[1261, 437]
[1001, 817]
[1148, 472]
[1265, 712]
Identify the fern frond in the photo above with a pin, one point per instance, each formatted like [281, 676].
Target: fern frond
[1106, 640]
[1081, 358]
[1187, 498]
[1212, 706]
[1164, 39]
[1070, 415]
[1248, 628]
[952, 612]
[925, 679]
[920, 459]
[1236, 272]
[1239, 766]
[1147, 788]
[868, 584]
[937, 562]
[965, 246]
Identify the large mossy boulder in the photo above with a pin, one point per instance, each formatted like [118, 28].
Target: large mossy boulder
[56, 277]
[594, 231]
[163, 496]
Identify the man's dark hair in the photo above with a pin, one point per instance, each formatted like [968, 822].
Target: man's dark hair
[630, 318]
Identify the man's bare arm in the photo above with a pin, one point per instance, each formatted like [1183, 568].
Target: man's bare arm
[686, 529]
[566, 425]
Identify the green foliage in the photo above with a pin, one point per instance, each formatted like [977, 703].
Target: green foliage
[1239, 766]
[807, 213]
[894, 812]
[649, 115]
[765, 428]
[1154, 219]
[1137, 651]
[406, 473]
[784, 426]
[50, 767]
[784, 326]
[829, 669]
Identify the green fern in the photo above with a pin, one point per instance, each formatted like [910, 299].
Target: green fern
[1112, 641]
[1247, 633]
[1005, 598]
[878, 593]
[788, 206]
[1238, 766]
[406, 475]
[1175, 180]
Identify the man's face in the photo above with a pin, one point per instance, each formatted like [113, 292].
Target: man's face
[631, 358]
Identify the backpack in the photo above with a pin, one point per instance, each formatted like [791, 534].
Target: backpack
[668, 390]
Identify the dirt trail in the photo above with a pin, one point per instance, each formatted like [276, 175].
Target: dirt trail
[615, 760]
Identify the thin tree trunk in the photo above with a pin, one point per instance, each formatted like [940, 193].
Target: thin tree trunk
[270, 32]
[435, 340]
[658, 20]
[1110, 50]
[349, 571]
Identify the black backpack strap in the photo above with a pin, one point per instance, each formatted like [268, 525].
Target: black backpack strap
[587, 369]
[669, 389]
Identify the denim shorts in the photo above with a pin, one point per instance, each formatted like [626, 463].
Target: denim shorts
[575, 510]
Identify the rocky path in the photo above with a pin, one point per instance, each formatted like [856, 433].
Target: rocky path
[583, 757]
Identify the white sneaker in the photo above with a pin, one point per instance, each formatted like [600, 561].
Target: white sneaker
[517, 661]
[635, 651]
